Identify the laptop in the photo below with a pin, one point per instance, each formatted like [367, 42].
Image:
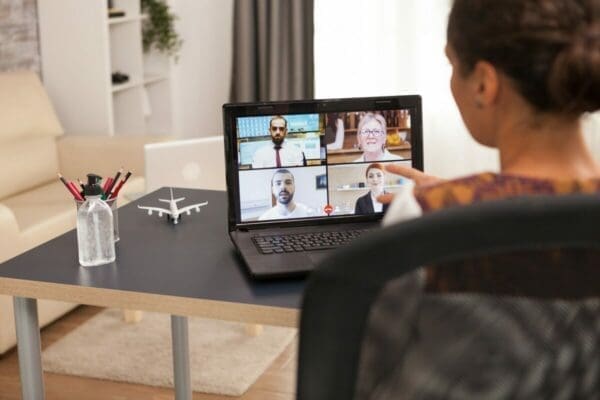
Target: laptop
[193, 163]
[302, 176]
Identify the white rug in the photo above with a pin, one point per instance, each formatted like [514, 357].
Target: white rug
[224, 359]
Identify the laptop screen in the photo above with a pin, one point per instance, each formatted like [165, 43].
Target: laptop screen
[292, 166]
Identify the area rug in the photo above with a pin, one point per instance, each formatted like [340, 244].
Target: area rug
[224, 358]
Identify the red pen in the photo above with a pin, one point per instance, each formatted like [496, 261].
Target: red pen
[73, 191]
[115, 192]
[113, 182]
[107, 184]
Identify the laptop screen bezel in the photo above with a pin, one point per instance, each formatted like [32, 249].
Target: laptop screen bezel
[233, 111]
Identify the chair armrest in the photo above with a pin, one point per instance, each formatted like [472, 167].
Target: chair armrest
[103, 155]
[10, 245]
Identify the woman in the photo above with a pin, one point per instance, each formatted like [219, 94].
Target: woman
[523, 74]
[371, 135]
[368, 204]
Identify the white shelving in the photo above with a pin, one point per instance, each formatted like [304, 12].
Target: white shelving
[81, 47]
[362, 189]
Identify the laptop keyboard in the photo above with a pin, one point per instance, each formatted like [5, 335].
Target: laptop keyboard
[305, 241]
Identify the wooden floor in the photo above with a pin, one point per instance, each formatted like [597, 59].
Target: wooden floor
[277, 383]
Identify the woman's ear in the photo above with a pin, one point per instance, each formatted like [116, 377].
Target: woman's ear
[485, 84]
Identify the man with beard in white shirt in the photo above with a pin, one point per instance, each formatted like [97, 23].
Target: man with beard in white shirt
[278, 153]
[283, 188]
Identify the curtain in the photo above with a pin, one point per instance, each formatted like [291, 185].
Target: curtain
[272, 50]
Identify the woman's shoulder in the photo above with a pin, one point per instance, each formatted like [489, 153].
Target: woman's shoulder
[492, 186]
[364, 196]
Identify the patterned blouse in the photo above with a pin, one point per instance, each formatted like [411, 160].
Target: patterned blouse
[526, 273]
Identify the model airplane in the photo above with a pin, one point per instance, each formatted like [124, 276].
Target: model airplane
[173, 213]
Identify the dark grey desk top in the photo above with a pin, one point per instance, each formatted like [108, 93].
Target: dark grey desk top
[194, 259]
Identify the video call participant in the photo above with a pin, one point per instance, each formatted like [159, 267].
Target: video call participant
[283, 188]
[371, 136]
[368, 203]
[278, 154]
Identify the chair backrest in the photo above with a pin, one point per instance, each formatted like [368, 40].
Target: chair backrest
[340, 294]
[194, 163]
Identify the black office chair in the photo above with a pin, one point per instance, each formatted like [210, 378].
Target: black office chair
[341, 296]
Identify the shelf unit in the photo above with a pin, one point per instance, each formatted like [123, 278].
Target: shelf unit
[80, 47]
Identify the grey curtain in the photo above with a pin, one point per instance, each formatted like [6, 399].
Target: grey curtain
[272, 50]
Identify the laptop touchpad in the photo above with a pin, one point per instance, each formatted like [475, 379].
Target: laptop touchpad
[317, 256]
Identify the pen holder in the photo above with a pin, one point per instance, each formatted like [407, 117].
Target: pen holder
[112, 203]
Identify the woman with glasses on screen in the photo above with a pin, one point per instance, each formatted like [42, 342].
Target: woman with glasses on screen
[371, 136]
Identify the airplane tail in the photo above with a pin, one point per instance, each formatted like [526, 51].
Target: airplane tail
[175, 200]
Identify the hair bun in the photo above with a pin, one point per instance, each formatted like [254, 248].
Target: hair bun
[574, 79]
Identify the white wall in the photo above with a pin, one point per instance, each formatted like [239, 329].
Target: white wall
[201, 78]
[390, 47]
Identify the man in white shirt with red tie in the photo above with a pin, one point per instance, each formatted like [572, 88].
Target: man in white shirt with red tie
[278, 153]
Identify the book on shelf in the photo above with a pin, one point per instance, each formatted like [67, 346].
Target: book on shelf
[115, 12]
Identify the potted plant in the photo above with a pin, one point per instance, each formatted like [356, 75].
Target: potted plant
[158, 30]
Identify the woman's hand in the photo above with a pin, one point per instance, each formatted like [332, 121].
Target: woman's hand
[418, 177]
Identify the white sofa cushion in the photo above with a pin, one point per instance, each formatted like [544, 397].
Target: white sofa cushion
[49, 210]
[48, 311]
[26, 108]
[27, 163]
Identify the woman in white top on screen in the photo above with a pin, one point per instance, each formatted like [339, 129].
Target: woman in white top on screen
[371, 136]
[278, 153]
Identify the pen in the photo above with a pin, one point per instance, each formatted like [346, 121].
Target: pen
[105, 187]
[115, 193]
[74, 192]
[79, 196]
[113, 182]
[81, 184]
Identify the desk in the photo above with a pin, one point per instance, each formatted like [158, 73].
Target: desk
[189, 269]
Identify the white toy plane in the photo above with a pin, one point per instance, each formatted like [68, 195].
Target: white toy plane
[173, 213]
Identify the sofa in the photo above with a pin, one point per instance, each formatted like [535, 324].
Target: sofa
[34, 205]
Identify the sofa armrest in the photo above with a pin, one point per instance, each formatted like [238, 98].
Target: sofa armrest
[10, 245]
[103, 155]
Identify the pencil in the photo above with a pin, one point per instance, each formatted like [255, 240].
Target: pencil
[120, 185]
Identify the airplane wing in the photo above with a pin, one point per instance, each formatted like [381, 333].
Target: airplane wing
[196, 207]
[159, 210]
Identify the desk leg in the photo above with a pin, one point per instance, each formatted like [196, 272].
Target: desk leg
[181, 357]
[29, 348]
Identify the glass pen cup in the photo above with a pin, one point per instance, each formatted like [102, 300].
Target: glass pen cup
[112, 203]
